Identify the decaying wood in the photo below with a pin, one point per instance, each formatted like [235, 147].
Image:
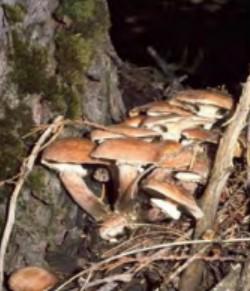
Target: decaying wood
[222, 168]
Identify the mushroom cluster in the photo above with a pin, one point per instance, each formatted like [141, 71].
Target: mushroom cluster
[162, 150]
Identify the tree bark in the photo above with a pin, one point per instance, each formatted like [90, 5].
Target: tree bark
[55, 58]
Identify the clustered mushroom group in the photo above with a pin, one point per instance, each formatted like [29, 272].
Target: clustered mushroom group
[163, 150]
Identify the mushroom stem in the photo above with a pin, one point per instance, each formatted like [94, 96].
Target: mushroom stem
[83, 196]
[127, 175]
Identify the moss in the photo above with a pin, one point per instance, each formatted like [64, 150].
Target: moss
[74, 56]
[14, 13]
[13, 150]
[29, 63]
[36, 181]
[77, 10]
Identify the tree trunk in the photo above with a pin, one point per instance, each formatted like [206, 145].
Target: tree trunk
[55, 58]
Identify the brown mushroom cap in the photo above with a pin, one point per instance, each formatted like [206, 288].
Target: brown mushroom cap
[134, 151]
[70, 150]
[205, 97]
[174, 193]
[200, 134]
[31, 279]
[122, 131]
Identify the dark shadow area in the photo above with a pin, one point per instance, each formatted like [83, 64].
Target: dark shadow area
[209, 42]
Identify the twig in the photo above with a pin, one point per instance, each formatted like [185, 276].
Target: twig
[25, 169]
[150, 248]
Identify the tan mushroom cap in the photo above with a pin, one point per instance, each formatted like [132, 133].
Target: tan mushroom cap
[200, 134]
[177, 194]
[134, 151]
[70, 150]
[31, 279]
[205, 97]
[122, 131]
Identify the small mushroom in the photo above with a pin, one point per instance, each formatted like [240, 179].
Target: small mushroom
[113, 226]
[122, 131]
[32, 279]
[68, 156]
[169, 191]
[207, 103]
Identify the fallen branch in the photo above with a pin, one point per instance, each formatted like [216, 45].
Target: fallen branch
[219, 175]
[25, 169]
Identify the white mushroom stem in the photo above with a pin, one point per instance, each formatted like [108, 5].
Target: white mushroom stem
[83, 196]
[66, 167]
[186, 176]
[166, 207]
[127, 175]
[209, 111]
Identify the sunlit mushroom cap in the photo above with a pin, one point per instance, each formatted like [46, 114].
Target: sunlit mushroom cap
[70, 150]
[169, 190]
[31, 279]
[122, 131]
[205, 97]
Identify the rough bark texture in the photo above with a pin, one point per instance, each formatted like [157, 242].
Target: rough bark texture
[53, 60]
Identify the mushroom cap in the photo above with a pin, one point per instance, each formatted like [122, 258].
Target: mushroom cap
[151, 121]
[31, 279]
[143, 108]
[177, 194]
[180, 160]
[127, 150]
[133, 121]
[134, 151]
[205, 97]
[167, 108]
[70, 150]
[201, 134]
[122, 131]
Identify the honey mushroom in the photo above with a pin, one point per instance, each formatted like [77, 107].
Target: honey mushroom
[206, 103]
[69, 156]
[165, 134]
[130, 156]
[32, 279]
[168, 191]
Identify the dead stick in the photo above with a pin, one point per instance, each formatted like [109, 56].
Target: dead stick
[222, 168]
[26, 168]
